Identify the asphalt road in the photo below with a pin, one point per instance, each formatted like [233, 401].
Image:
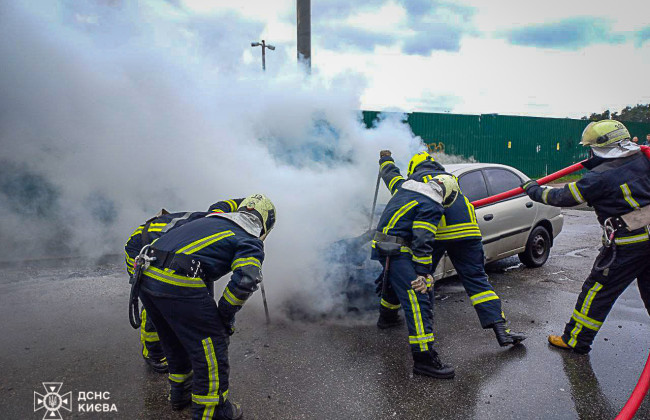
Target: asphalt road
[65, 321]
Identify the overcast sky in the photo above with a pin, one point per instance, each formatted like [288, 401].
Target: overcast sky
[563, 58]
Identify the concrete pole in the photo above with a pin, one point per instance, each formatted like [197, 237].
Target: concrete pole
[303, 16]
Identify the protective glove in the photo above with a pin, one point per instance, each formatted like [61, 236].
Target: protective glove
[530, 186]
[422, 284]
[228, 323]
[384, 153]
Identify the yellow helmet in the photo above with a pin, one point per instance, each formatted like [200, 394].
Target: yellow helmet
[604, 133]
[450, 188]
[417, 159]
[263, 208]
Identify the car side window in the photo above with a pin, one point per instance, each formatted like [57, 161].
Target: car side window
[472, 184]
[501, 180]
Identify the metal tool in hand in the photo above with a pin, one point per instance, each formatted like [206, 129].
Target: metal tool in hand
[266, 306]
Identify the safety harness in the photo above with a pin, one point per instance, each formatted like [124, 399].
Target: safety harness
[631, 221]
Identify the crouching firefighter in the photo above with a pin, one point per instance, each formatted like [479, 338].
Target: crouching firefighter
[458, 235]
[194, 330]
[143, 235]
[618, 187]
[403, 244]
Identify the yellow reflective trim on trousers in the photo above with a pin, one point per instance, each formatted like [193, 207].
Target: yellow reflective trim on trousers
[423, 260]
[421, 339]
[591, 294]
[143, 317]
[590, 323]
[392, 182]
[168, 276]
[180, 377]
[389, 305]
[232, 204]
[545, 195]
[483, 297]
[627, 194]
[209, 399]
[240, 262]
[575, 192]
[398, 215]
[417, 317]
[632, 239]
[425, 225]
[232, 299]
[213, 369]
[388, 162]
[574, 335]
[203, 242]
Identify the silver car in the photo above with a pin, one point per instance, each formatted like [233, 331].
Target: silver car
[514, 226]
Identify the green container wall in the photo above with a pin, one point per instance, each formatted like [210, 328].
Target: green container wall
[530, 144]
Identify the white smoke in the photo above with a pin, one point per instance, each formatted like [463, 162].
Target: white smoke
[110, 112]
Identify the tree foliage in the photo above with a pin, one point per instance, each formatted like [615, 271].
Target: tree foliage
[638, 113]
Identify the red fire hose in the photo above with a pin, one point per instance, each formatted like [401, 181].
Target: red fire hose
[641, 389]
[545, 180]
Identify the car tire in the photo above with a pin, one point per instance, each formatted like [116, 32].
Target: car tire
[538, 248]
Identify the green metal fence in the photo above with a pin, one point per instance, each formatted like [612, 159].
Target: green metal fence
[534, 145]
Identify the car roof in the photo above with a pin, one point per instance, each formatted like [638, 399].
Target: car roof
[461, 168]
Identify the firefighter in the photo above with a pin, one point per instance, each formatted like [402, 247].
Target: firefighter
[617, 185]
[459, 235]
[194, 330]
[145, 234]
[403, 244]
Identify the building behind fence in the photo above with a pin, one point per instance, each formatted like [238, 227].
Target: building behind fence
[534, 145]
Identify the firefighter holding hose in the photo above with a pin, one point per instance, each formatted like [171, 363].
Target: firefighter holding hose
[618, 187]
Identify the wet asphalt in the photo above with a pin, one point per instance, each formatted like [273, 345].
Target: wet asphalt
[65, 321]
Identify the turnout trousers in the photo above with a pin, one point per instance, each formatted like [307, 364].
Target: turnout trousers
[151, 347]
[418, 307]
[194, 340]
[469, 261]
[602, 288]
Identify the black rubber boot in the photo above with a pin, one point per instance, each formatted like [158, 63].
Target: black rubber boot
[158, 365]
[228, 411]
[180, 394]
[505, 337]
[428, 363]
[388, 318]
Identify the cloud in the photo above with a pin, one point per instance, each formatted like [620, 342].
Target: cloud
[568, 34]
[439, 37]
[642, 36]
[357, 38]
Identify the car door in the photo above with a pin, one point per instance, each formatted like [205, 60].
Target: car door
[511, 219]
[474, 187]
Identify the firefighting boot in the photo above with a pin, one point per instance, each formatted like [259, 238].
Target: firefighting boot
[388, 318]
[158, 365]
[505, 337]
[428, 363]
[180, 393]
[228, 411]
[556, 341]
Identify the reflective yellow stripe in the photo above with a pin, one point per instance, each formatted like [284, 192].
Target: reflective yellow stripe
[417, 317]
[157, 224]
[388, 162]
[168, 276]
[203, 242]
[591, 294]
[180, 377]
[217, 211]
[582, 318]
[575, 192]
[423, 260]
[643, 237]
[590, 323]
[240, 262]
[232, 299]
[627, 194]
[209, 399]
[232, 204]
[427, 178]
[574, 335]
[471, 210]
[425, 225]
[136, 231]
[421, 339]
[389, 305]
[398, 215]
[392, 182]
[457, 226]
[545, 195]
[483, 297]
[213, 376]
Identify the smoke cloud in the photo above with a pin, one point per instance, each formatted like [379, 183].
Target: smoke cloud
[110, 111]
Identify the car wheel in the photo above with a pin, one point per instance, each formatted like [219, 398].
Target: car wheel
[538, 248]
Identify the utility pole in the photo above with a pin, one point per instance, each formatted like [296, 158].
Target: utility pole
[264, 46]
[303, 17]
